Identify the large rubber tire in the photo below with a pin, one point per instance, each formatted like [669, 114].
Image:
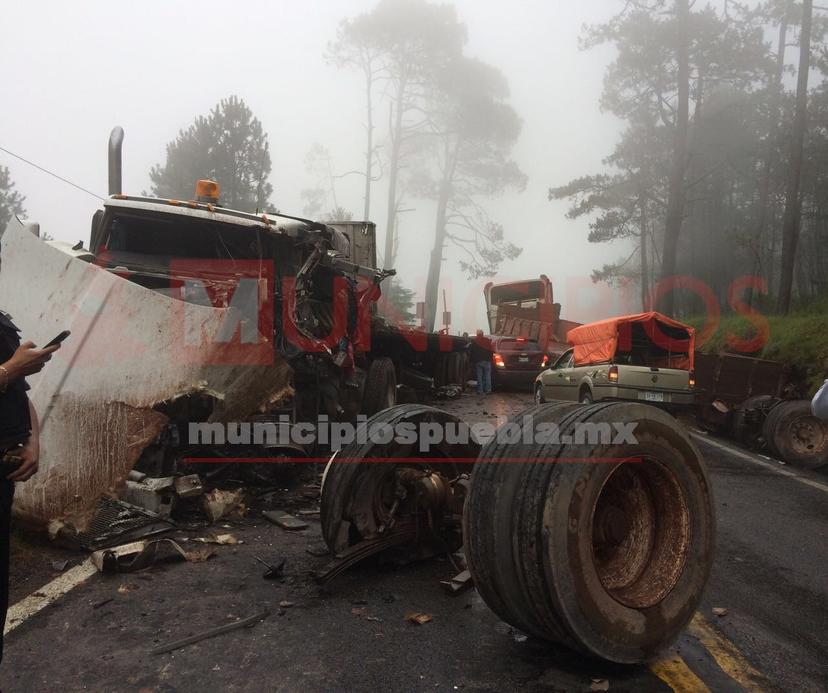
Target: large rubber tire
[793, 433]
[536, 531]
[351, 481]
[380, 386]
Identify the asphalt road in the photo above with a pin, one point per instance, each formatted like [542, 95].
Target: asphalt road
[769, 574]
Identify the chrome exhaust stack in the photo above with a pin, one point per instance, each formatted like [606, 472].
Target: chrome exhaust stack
[116, 141]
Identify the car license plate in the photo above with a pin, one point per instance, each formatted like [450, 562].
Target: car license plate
[523, 359]
[654, 396]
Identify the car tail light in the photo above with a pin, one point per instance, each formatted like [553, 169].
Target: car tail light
[613, 374]
[544, 361]
[498, 360]
[692, 381]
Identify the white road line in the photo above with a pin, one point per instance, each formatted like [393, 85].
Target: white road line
[758, 460]
[28, 607]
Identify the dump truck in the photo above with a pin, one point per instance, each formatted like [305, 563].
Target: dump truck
[527, 309]
[185, 311]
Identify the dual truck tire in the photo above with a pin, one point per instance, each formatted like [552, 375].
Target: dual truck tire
[604, 547]
[794, 434]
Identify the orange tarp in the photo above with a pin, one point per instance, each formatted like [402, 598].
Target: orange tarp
[598, 342]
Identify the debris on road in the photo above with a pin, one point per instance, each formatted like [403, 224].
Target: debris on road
[599, 685]
[221, 539]
[719, 611]
[418, 617]
[59, 566]
[155, 494]
[285, 604]
[273, 571]
[188, 486]
[183, 642]
[285, 520]
[219, 503]
[138, 555]
[458, 583]
[114, 523]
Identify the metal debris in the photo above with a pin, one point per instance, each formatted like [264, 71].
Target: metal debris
[138, 555]
[458, 583]
[152, 494]
[285, 520]
[241, 623]
[188, 486]
[273, 571]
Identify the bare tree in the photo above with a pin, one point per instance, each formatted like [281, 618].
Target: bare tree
[793, 201]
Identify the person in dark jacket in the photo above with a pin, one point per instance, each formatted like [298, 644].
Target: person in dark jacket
[19, 434]
[481, 353]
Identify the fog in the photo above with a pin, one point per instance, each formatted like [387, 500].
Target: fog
[74, 70]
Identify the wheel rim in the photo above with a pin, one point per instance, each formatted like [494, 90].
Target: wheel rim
[640, 532]
[807, 435]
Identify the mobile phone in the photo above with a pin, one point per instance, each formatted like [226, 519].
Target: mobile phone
[57, 340]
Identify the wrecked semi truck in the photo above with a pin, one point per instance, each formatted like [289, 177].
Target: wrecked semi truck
[604, 546]
[184, 311]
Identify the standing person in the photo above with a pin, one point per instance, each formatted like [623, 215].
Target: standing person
[19, 435]
[482, 357]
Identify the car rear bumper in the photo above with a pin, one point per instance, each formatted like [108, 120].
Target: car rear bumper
[513, 376]
[655, 397]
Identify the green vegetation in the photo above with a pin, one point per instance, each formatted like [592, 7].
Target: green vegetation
[799, 339]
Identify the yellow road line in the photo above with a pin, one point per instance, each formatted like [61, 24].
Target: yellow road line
[727, 656]
[676, 674]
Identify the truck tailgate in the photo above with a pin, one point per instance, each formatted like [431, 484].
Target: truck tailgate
[653, 378]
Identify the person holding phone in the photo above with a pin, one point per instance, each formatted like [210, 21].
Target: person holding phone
[19, 434]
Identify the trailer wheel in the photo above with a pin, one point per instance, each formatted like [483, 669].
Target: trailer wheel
[380, 386]
[604, 547]
[793, 433]
[361, 492]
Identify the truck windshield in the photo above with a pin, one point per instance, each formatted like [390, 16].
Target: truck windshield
[177, 236]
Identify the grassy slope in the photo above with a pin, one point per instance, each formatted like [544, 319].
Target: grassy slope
[800, 339]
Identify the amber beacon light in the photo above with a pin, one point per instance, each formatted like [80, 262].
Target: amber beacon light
[207, 191]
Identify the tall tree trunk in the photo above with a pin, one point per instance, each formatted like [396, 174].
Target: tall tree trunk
[773, 130]
[793, 202]
[393, 171]
[435, 263]
[369, 143]
[676, 193]
[645, 268]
